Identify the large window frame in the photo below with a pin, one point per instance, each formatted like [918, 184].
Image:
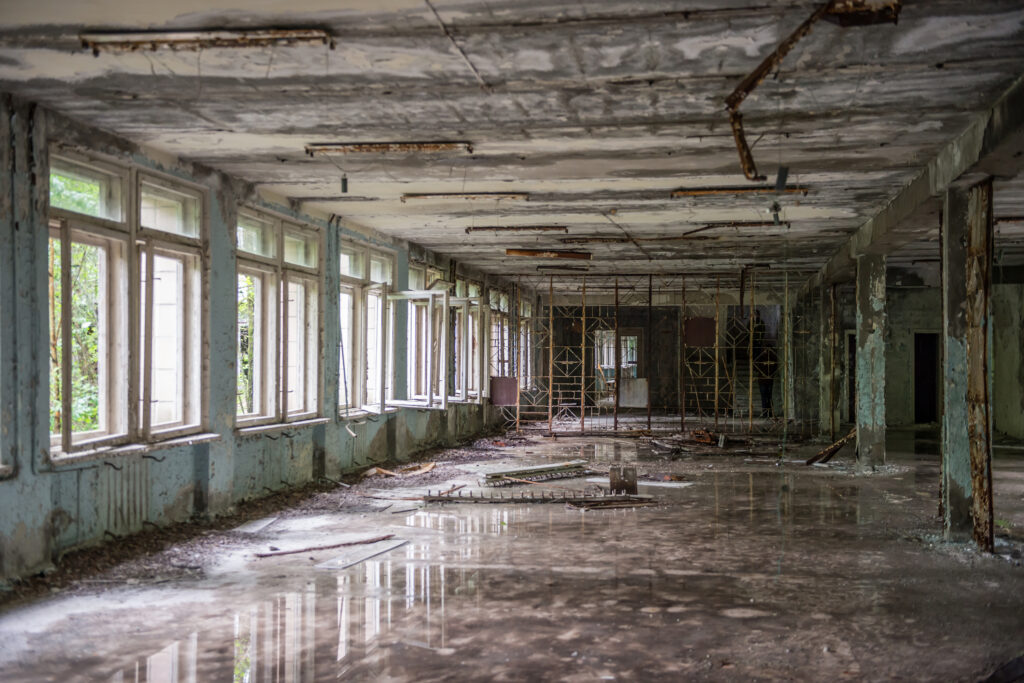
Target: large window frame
[285, 345]
[366, 275]
[128, 410]
[428, 334]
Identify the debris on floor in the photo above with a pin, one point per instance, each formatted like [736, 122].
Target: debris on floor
[367, 541]
[354, 557]
[825, 454]
[575, 498]
[562, 470]
[410, 470]
[622, 479]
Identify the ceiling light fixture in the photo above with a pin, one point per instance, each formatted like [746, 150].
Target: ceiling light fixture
[517, 228]
[399, 147]
[740, 189]
[523, 196]
[549, 253]
[120, 41]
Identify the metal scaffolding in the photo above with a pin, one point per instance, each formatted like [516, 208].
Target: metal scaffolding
[653, 353]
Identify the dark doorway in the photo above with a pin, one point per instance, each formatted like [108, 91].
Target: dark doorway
[851, 380]
[926, 377]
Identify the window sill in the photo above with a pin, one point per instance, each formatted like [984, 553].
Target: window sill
[71, 459]
[280, 426]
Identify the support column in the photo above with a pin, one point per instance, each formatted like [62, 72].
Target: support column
[827, 323]
[871, 322]
[967, 345]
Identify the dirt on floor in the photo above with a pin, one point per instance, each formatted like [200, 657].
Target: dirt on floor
[176, 551]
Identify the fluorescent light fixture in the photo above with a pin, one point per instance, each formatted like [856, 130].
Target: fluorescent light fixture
[549, 253]
[398, 147]
[523, 196]
[517, 228]
[739, 189]
[117, 41]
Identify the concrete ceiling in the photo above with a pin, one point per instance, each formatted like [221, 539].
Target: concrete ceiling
[598, 110]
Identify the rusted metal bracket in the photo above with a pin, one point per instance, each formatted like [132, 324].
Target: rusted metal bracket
[848, 13]
[746, 158]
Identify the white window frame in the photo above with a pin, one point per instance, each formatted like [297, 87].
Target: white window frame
[465, 360]
[68, 227]
[427, 351]
[279, 273]
[362, 287]
[135, 318]
[151, 243]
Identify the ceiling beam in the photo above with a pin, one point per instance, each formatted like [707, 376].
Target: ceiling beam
[992, 144]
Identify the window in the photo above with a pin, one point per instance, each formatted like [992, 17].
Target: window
[88, 337]
[125, 308]
[87, 189]
[500, 341]
[167, 210]
[604, 353]
[347, 381]
[170, 308]
[467, 317]
[278, 342]
[367, 316]
[427, 348]
[417, 278]
[525, 356]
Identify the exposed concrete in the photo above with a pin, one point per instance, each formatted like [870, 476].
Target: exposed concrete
[993, 137]
[591, 109]
[967, 339]
[1007, 362]
[27, 525]
[871, 330]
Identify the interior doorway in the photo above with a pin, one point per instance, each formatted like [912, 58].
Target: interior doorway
[926, 377]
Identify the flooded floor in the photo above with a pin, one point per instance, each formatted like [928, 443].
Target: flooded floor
[752, 567]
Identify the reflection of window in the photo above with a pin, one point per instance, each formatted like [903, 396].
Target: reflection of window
[278, 320]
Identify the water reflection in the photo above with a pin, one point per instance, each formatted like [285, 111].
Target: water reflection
[370, 620]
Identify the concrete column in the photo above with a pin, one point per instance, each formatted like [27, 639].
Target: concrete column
[967, 348]
[827, 362]
[871, 322]
[26, 526]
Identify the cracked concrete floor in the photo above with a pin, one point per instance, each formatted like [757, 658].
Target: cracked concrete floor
[757, 570]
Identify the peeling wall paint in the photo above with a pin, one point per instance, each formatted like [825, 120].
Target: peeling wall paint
[871, 379]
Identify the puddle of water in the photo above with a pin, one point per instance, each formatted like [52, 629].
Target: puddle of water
[514, 590]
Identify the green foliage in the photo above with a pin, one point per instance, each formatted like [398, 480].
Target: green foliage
[246, 344]
[75, 194]
[87, 271]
